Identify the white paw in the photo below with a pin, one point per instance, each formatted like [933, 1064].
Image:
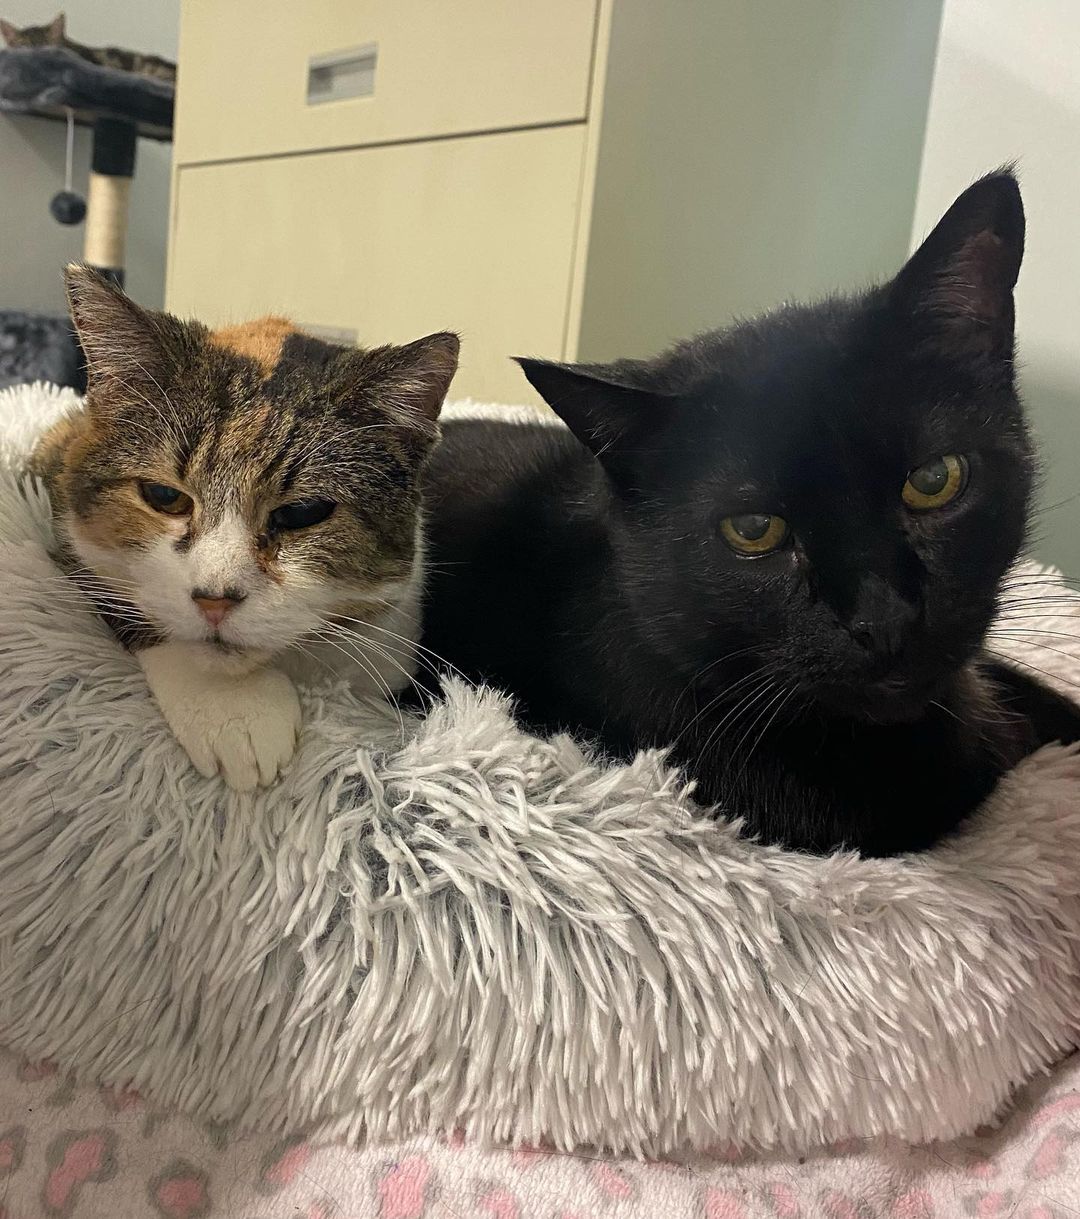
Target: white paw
[241, 725]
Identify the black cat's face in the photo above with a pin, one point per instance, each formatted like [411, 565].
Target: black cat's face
[831, 495]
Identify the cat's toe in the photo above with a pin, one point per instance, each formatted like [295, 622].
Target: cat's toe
[202, 756]
[273, 736]
[274, 750]
[239, 767]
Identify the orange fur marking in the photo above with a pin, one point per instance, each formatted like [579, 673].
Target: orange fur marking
[260, 340]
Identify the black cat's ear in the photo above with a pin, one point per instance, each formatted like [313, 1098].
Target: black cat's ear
[57, 29]
[121, 341]
[957, 288]
[610, 416]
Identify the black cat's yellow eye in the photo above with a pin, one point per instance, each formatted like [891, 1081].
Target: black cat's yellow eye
[936, 483]
[167, 499]
[302, 514]
[754, 534]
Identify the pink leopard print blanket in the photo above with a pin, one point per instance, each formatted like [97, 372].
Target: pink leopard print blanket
[80, 1153]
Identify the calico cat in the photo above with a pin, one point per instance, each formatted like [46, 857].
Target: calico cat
[242, 505]
[777, 548]
[54, 35]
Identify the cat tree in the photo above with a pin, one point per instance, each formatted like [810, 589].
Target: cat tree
[119, 106]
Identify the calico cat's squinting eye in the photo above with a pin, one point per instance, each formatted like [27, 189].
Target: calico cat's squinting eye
[936, 483]
[302, 514]
[163, 498]
[755, 534]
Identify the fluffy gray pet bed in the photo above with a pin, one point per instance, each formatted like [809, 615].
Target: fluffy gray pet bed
[449, 924]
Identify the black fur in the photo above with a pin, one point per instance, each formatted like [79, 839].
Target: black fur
[834, 692]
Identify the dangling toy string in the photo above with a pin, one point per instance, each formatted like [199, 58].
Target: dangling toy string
[66, 206]
[70, 154]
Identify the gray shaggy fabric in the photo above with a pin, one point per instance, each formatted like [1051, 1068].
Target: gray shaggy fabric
[449, 924]
[36, 347]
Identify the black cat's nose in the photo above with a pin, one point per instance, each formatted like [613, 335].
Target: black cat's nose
[883, 637]
[883, 620]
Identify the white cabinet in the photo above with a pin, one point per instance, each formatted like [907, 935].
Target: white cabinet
[577, 179]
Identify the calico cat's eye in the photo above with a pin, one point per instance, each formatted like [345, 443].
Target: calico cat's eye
[754, 534]
[302, 513]
[164, 498]
[936, 483]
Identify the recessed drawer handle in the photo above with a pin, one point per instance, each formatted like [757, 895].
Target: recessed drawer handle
[338, 75]
[333, 334]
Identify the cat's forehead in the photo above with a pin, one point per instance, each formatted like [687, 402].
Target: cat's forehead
[818, 400]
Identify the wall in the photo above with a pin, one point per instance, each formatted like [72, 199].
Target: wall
[1007, 85]
[33, 247]
[800, 127]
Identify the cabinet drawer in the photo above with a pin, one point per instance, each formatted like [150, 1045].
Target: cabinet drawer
[474, 235]
[433, 68]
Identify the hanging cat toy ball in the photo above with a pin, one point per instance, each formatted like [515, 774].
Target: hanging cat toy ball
[66, 206]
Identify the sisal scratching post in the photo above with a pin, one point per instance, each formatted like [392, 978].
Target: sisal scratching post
[112, 166]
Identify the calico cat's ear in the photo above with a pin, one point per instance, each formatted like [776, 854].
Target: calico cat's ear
[411, 382]
[9, 32]
[121, 341]
[958, 285]
[600, 405]
[56, 30]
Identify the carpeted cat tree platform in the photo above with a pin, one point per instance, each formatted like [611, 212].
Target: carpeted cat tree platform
[120, 107]
[445, 924]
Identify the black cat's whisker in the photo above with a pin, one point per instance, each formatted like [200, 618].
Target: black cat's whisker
[743, 707]
[762, 709]
[1040, 577]
[779, 705]
[1029, 609]
[1014, 594]
[1032, 589]
[1037, 579]
[706, 669]
[1058, 606]
[947, 710]
[1035, 668]
[1061, 503]
[1026, 641]
[727, 692]
[1009, 629]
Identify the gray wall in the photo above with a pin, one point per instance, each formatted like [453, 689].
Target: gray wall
[1007, 86]
[33, 247]
[781, 150]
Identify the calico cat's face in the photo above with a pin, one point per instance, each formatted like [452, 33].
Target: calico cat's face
[51, 35]
[831, 494]
[245, 486]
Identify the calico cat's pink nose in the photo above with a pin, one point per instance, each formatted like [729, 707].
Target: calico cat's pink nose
[214, 609]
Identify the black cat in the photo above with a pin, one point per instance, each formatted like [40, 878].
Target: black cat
[778, 547]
